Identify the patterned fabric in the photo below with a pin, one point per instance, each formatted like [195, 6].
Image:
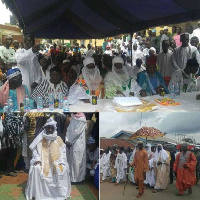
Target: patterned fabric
[143, 82]
[82, 83]
[45, 87]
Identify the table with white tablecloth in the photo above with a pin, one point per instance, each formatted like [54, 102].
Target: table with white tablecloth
[188, 103]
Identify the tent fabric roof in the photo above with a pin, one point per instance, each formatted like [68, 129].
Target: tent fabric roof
[83, 19]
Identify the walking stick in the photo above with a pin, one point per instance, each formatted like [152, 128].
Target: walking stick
[125, 182]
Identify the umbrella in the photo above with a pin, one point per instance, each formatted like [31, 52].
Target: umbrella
[147, 132]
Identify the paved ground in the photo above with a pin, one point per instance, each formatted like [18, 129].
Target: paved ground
[12, 188]
[109, 191]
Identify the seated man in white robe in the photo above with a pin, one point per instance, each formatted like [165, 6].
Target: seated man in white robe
[54, 85]
[75, 140]
[49, 171]
[92, 158]
[185, 78]
[119, 81]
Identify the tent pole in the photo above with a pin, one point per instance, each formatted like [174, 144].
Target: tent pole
[131, 48]
[95, 46]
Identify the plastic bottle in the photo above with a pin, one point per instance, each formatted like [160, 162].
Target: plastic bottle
[10, 104]
[6, 108]
[66, 105]
[177, 89]
[39, 103]
[61, 99]
[173, 92]
[26, 104]
[51, 101]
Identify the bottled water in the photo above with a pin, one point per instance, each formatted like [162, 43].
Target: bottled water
[39, 103]
[61, 99]
[6, 108]
[173, 92]
[66, 105]
[177, 89]
[51, 101]
[10, 104]
[26, 104]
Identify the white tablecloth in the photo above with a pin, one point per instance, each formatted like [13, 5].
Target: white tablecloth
[188, 103]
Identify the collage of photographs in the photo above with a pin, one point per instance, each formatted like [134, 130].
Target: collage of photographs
[99, 100]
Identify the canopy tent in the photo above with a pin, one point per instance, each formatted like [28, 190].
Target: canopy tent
[82, 19]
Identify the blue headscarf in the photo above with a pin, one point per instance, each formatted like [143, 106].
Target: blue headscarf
[12, 73]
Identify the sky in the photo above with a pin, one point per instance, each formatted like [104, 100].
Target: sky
[171, 123]
[4, 14]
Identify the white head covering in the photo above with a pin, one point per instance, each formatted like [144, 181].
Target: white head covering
[92, 76]
[122, 74]
[162, 154]
[50, 122]
[152, 48]
[66, 61]
[43, 134]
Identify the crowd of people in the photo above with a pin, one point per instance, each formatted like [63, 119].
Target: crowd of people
[158, 63]
[55, 149]
[150, 165]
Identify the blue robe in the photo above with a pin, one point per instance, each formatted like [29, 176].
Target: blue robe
[144, 82]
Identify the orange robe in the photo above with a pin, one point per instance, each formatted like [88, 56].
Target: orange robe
[141, 164]
[185, 176]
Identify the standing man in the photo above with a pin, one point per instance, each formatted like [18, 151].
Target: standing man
[141, 167]
[177, 37]
[75, 141]
[185, 168]
[164, 62]
[184, 52]
[161, 168]
[121, 166]
[28, 63]
[7, 54]
[106, 164]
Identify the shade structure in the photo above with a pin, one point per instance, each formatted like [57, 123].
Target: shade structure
[147, 132]
[82, 19]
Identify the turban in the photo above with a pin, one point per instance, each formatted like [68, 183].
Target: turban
[51, 122]
[88, 60]
[140, 142]
[12, 73]
[91, 140]
[66, 61]
[165, 28]
[152, 48]
[117, 59]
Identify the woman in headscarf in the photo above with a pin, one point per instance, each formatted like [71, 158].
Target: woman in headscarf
[90, 79]
[49, 171]
[13, 88]
[119, 81]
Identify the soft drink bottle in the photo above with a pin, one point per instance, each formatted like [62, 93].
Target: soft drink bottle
[61, 99]
[26, 104]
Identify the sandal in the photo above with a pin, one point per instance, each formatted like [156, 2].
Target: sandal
[116, 184]
[154, 191]
[189, 190]
[178, 194]
[11, 174]
[139, 195]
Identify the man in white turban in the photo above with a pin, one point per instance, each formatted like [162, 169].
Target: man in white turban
[161, 167]
[90, 79]
[75, 140]
[119, 81]
[49, 171]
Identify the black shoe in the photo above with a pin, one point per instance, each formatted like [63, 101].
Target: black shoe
[190, 191]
